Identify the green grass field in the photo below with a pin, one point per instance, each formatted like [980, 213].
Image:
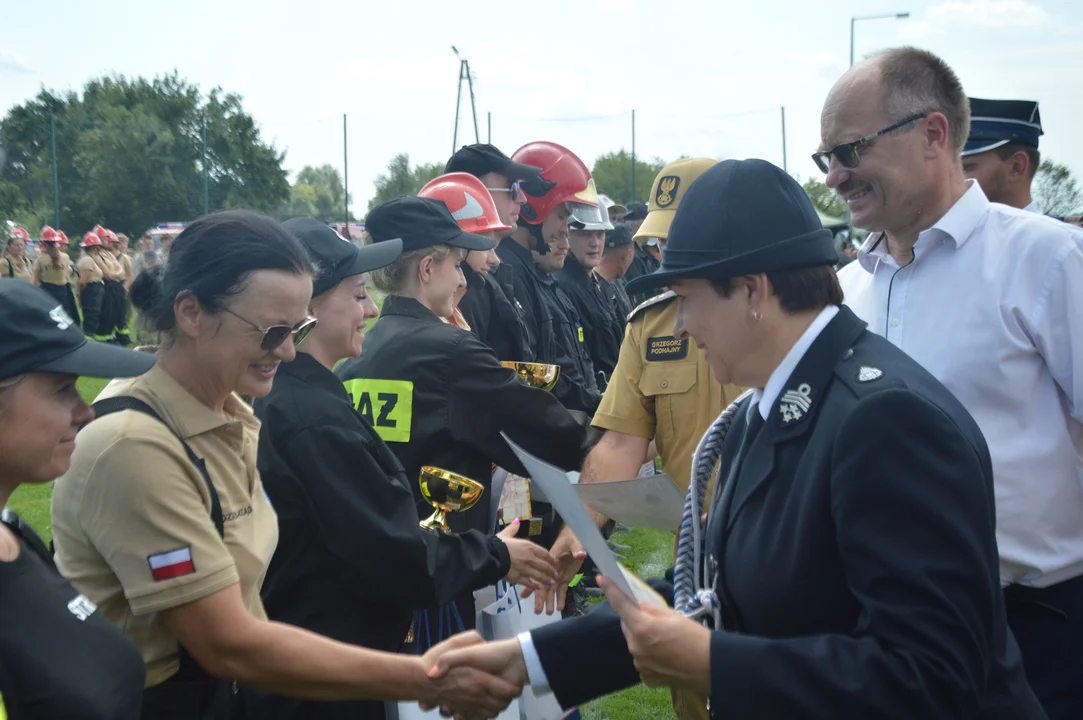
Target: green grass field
[649, 556]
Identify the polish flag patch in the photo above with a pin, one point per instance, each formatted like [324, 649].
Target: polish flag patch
[171, 564]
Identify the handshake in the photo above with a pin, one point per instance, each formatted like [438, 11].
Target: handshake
[471, 679]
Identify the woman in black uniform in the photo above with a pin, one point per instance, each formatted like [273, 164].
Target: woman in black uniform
[352, 563]
[436, 394]
[59, 658]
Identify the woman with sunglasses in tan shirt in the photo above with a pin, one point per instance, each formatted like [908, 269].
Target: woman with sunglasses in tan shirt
[162, 520]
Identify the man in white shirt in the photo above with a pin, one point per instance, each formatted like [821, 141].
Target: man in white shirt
[989, 299]
[1001, 152]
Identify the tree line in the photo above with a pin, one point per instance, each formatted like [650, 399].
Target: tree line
[130, 153]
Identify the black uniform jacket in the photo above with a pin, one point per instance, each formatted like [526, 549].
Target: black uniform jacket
[553, 326]
[352, 562]
[602, 330]
[518, 276]
[618, 299]
[643, 263]
[493, 317]
[857, 556]
[450, 399]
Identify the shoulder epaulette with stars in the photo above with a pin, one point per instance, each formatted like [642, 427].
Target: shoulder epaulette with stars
[650, 302]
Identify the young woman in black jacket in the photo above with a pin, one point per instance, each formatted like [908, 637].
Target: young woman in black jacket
[352, 563]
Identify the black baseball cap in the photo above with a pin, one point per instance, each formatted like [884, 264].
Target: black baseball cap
[636, 211]
[480, 159]
[619, 236]
[39, 336]
[741, 217]
[336, 257]
[420, 223]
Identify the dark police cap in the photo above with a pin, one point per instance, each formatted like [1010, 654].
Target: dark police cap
[619, 236]
[39, 336]
[739, 218]
[420, 223]
[336, 257]
[998, 122]
[484, 158]
[636, 211]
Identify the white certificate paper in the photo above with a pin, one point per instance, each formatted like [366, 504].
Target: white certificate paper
[652, 501]
[561, 493]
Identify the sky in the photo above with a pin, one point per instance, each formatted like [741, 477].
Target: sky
[705, 77]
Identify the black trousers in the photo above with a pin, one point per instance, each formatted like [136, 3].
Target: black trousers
[91, 300]
[1048, 626]
[63, 294]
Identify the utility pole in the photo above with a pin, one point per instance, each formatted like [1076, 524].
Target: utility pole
[784, 168]
[465, 74]
[206, 181]
[633, 194]
[345, 178]
[56, 182]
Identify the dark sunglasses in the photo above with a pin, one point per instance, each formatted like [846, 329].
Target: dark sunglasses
[848, 153]
[277, 334]
[515, 190]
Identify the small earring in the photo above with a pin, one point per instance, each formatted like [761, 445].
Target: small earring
[755, 316]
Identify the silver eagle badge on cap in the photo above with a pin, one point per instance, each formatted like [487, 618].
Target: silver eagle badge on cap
[795, 403]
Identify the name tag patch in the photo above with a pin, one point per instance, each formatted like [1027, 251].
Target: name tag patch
[666, 347]
[387, 404]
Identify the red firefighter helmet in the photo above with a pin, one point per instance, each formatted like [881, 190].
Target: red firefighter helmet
[20, 233]
[91, 240]
[61, 237]
[563, 179]
[48, 235]
[99, 231]
[470, 203]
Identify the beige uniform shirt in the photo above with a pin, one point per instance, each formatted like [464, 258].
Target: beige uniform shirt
[87, 263]
[11, 267]
[58, 273]
[125, 263]
[662, 388]
[132, 517]
[111, 267]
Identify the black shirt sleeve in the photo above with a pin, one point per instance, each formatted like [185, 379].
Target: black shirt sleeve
[369, 520]
[59, 657]
[488, 398]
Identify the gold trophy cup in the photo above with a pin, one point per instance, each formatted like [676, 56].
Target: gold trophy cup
[447, 492]
[539, 375]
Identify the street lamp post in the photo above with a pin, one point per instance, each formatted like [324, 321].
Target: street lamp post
[886, 16]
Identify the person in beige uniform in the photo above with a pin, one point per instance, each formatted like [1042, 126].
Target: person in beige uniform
[661, 389]
[52, 271]
[119, 245]
[13, 260]
[162, 520]
[120, 249]
[91, 286]
[115, 301]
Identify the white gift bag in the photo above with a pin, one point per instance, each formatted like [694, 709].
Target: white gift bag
[506, 618]
[445, 628]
